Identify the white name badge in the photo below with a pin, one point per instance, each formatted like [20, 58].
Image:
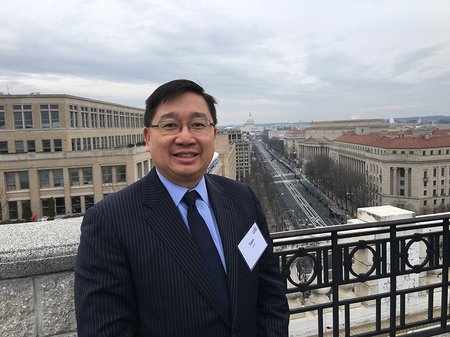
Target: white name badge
[252, 246]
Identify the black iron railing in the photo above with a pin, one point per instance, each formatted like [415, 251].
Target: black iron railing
[397, 272]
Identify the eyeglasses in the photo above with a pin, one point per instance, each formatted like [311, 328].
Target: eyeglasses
[196, 126]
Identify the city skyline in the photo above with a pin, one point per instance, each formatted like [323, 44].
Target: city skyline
[294, 61]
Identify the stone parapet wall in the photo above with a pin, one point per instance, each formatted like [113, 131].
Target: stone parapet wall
[36, 278]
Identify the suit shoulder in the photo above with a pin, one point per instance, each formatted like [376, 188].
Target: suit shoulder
[228, 184]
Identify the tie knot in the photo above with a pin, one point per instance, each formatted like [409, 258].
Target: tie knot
[190, 197]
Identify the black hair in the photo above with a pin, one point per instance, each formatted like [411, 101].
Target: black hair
[170, 91]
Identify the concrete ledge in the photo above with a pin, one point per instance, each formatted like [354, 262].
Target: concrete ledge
[36, 248]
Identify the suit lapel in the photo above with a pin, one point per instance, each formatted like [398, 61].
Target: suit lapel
[227, 219]
[162, 214]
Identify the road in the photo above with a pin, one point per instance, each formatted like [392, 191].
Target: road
[307, 206]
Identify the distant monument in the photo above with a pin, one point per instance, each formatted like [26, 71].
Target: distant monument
[250, 126]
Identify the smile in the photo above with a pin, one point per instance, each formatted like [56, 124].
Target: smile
[185, 155]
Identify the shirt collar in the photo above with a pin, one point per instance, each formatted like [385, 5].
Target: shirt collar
[177, 192]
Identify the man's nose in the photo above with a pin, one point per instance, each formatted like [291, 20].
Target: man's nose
[184, 133]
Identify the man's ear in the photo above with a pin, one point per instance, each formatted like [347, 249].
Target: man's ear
[147, 139]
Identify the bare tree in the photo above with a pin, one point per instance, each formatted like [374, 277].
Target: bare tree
[349, 188]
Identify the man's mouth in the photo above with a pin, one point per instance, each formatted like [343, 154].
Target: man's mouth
[185, 155]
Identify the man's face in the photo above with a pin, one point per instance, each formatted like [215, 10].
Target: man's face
[183, 157]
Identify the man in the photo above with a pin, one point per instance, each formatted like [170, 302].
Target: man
[142, 267]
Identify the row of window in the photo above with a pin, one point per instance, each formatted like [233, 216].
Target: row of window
[54, 178]
[435, 192]
[383, 151]
[23, 116]
[425, 202]
[79, 117]
[23, 146]
[103, 118]
[78, 144]
[435, 171]
[105, 142]
[76, 206]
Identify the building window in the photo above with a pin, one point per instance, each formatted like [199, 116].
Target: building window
[23, 117]
[424, 202]
[31, 146]
[13, 210]
[2, 117]
[19, 146]
[121, 174]
[3, 147]
[424, 192]
[44, 179]
[44, 206]
[84, 117]
[434, 172]
[51, 178]
[58, 178]
[431, 152]
[46, 146]
[88, 201]
[87, 175]
[60, 206]
[73, 112]
[23, 179]
[107, 174]
[93, 118]
[11, 179]
[57, 144]
[74, 176]
[139, 170]
[50, 116]
[145, 166]
[76, 204]
[402, 191]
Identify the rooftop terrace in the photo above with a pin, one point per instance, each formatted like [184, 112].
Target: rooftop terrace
[383, 274]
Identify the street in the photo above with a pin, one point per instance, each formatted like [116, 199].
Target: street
[307, 206]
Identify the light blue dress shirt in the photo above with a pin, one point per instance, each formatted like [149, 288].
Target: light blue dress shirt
[203, 205]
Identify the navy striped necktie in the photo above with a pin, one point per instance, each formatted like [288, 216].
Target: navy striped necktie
[206, 247]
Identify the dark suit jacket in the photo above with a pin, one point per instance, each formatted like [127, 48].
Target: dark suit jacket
[138, 272]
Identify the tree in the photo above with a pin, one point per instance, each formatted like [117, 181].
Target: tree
[51, 208]
[26, 211]
[3, 203]
[350, 188]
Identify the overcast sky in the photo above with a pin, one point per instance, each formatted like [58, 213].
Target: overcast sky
[278, 60]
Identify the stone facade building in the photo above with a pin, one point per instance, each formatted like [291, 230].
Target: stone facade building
[76, 150]
[243, 151]
[405, 168]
